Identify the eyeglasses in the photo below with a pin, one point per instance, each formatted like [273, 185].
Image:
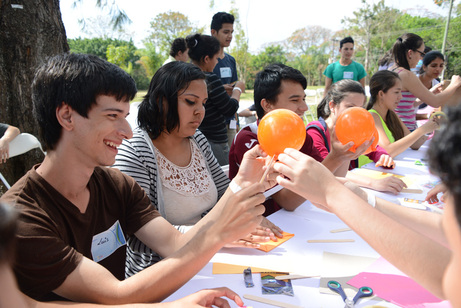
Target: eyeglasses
[421, 53]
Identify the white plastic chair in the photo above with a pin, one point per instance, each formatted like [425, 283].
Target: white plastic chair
[21, 144]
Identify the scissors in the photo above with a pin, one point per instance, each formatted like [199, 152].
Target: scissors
[363, 292]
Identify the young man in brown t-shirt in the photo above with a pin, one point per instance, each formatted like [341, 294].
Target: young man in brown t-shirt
[75, 213]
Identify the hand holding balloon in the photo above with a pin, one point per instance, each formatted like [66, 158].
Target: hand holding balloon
[281, 129]
[357, 125]
[278, 130]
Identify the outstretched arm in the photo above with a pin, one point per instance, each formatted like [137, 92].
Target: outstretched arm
[402, 246]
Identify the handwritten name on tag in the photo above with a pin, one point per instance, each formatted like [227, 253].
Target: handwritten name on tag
[106, 243]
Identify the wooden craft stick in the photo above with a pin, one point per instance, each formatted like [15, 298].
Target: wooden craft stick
[267, 170]
[412, 191]
[331, 241]
[269, 301]
[340, 230]
[283, 277]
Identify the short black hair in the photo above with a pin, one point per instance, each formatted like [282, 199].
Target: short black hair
[221, 18]
[164, 87]
[269, 81]
[345, 40]
[445, 155]
[179, 44]
[76, 80]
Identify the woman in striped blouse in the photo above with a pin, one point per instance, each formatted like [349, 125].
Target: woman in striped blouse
[172, 160]
[407, 51]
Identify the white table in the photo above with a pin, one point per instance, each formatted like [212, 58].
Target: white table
[296, 255]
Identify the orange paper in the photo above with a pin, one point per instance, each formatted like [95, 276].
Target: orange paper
[268, 246]
[224, 268]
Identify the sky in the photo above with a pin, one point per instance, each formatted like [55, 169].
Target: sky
[264, 21]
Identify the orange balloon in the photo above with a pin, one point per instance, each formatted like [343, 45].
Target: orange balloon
[372, 147]
[354, 124]
[281, 129]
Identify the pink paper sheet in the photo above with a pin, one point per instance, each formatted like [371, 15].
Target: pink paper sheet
[394, 286]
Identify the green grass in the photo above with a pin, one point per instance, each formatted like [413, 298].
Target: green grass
[247, 95]
[139, 96]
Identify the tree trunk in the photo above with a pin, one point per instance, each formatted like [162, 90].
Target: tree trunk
[30, 32]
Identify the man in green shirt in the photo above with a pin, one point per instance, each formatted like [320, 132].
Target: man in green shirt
[345, 68]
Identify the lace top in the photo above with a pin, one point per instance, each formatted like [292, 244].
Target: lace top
[188, 191]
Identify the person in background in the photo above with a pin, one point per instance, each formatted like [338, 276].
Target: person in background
[279, 86]
[10, 296]
[394, 136]
[178, 51]
[249, 115]
[409, 239]
[408, 50]
[222, 28]
[432, 66]
[171, 159]
[386, 61]
[75, 213]
[345, 68]
[342, 95]
[7, 133]
[204, 51]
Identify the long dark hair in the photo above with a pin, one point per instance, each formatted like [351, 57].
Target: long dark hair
[337, 92]
[383, 81]
[164, 87]
[429, 57]
[408, 41]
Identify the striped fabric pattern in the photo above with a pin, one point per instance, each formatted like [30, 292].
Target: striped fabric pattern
[218, 107]
[406, 110]
[135, 158]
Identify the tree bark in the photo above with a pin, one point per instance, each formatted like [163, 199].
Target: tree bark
[30, 32]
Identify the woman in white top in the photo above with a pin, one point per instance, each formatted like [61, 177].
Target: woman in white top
[432, 67]
[171, 160]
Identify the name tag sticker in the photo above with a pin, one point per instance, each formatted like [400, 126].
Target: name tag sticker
[226, 72]
[348, 75]
[106, 243]
[233, 124]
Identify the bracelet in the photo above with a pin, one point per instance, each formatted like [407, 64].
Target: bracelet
[237, 88]
[234, 187]
[371, 199]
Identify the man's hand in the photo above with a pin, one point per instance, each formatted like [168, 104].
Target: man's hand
[241, 214]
